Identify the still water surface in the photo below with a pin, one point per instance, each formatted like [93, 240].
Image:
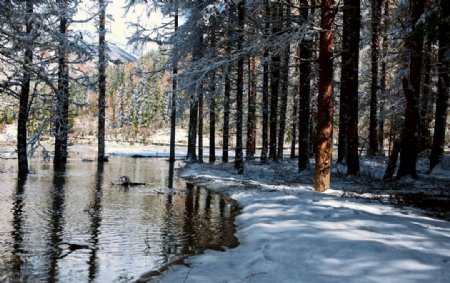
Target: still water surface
[76, 226]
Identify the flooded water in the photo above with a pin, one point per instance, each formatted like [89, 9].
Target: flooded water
[76, 226]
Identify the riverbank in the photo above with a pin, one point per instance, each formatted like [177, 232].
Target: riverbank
[289, 233]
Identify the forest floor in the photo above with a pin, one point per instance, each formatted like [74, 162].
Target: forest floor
[362, 230]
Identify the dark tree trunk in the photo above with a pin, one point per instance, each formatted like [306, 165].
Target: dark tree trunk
[304, 116]
[410, 142]
[426, 103]
[226, 115]
[349, 82]
[251, 118]
[101, 82]
[440, 124]
[265, 96]
[393, 157]
[173, 106]
[200, 122]
[24, 97]
[324, 143]
[239, 160]
[212, 120]
[284, 83]
[62, 95]
[192, 134]
[294, 125]
[375, 46]
[383, 80]
[274, 85]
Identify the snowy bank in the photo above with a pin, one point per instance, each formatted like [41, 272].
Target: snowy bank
[289, 233]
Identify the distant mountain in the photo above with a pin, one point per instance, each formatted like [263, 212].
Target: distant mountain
[117, 55]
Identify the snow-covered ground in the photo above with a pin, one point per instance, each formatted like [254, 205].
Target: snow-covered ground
[289, 233]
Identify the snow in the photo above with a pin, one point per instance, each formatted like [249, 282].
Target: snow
[289, 233]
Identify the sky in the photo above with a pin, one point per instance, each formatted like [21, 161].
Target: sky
[118, 29]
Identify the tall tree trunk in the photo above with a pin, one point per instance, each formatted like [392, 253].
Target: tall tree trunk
[173, 106]
[349, 86]
[251, 118]
[24, 96]
[101, 81]
[286, 10]
[410, 143]
[304, 115]
[383, 80]
[212, 119]
[239, 160]
[265, 94]
[226, 114]
[375, 46]
[295, 99]
[192, 134]
[324, 143]
[200, 122]
[426, 102]
[441, 114]
[274, 84]
[62, 95]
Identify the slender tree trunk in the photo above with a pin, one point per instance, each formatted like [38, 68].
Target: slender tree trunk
[295, 99]
[251, 118]
[410, 142]
[239, 160]
[383, 80]
[286, 10]
[101, 82]
[274, 85]
[173, 107]
[349, 82]
[441, 114]
[324, 144]
[24, 97]
[192, 134]
[265, 94]
[304, 115]
[226, 115]
[200, 122]
[212, 120]
[375, 46]
[62, 96]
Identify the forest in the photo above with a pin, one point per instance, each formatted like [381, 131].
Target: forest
[305, 137]
[370, 77]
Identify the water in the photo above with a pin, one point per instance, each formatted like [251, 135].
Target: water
[76, 226]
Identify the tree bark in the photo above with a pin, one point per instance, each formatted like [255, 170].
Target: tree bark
[349, 82]
[251, 115]
[265, 94]
[101, 82]
[24, 96]
[62, 95]
[441, 114]
[285, 10]
[411, 136]
[304, 117]
[173, 106]
[324, 143]
[375, 46]
[239, 159]
[274, 85]
[226, 115]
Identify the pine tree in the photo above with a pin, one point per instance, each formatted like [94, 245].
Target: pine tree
[441, 113]
[102, 63]
[324, 144]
